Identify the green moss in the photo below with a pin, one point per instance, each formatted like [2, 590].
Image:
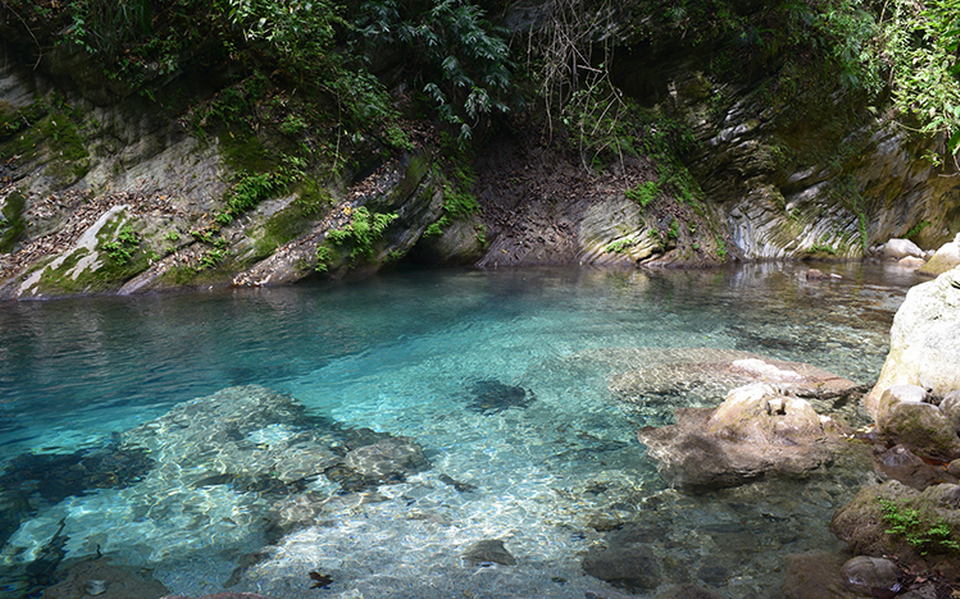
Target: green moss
[620, 246]
[12, 223]
[292, 221]
[242, 150]
[54, 135]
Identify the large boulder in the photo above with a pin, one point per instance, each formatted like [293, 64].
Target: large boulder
[924, 341]
[895, 249]
[755, 431]
[946, 258]
[904, 417]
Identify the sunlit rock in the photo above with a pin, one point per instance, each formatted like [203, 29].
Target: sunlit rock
[754, 432]
[895, 249]
[946, 258]
[904, 416]
[924, 341]
[911, 262]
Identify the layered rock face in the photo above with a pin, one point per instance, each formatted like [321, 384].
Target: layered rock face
[103, 193]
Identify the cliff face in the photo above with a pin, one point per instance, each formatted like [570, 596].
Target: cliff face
[797, 173]
[106, 193]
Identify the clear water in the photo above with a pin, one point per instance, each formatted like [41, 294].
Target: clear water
[398, 354]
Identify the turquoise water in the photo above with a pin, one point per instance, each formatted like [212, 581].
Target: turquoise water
[552, 471]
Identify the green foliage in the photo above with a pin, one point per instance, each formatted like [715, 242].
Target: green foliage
[916, 229]
[920, 42]
[674, 231]
[619, 246]
[358, 238]
[644, 193]
[922, 531]
[721, 249]
[12, 222]
[456, 178]
[251, 189]
[211, 258]
[462, 61]
[820, 248]
[122, 248]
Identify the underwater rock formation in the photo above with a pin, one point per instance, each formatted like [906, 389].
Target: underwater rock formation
[718, 373]
[487, 552]
[99, 578]
[490, 396]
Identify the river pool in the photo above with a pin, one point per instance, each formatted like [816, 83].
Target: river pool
[496, 380]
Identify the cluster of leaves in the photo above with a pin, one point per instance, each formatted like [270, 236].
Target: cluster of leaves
[357, 238]
[920, 42]
[458, 58]
[924, 533]
[122, 248]
[644, 194]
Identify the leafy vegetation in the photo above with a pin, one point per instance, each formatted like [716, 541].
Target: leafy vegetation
[357, 239]
[460, 61]
[122, 248]
[644, 193]
[924, 532]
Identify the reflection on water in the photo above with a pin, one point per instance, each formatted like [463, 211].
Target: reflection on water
[372, 435]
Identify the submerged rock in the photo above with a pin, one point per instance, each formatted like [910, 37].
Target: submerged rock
[488, 552]
[102, 579]
[56, 476]
[755, 431]
[632, 566]
[490, 396]
[396, 455]
[688, 591]
[708, 374]
[815, 575]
